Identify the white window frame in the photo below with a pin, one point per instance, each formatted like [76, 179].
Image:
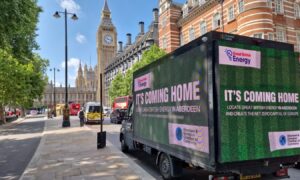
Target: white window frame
[201, 2]
[297, 45]
[192, 33]
[181, 39]
[279, 6]
[185, 10]
[216, 23]
[231, 15]
[269, 4]
[203, 28]
[258, 35]
[297, 10]
[271, 36]
[241, 6]
[281, 34]
[164, 22]
[164, 43]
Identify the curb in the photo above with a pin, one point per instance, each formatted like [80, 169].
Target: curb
[136, 168]
[37, 151]
[13, 123]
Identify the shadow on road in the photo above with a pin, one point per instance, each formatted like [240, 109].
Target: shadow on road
[18, 145]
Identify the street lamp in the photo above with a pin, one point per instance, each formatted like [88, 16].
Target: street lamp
[54, 98]
[66, 115]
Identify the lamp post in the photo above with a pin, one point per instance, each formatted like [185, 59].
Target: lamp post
[54, 96]
[66, 115]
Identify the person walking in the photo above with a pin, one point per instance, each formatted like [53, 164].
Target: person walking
[81, 117]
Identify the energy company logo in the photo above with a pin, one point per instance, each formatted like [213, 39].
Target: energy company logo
[239, 57]
[142, 82]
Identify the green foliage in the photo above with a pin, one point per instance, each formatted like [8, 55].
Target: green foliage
[18, 23]
[117, 87]
[124, 86]
[22, 71]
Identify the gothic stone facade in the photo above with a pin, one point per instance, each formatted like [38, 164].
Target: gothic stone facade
[84, 91]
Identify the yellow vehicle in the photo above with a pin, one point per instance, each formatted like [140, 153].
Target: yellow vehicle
[92, 112]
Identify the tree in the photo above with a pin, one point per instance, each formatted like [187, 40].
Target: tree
[18, 22]
[22, 71]
[118, 87]
[125, 87]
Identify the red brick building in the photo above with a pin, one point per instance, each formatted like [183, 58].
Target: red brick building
[277, 20]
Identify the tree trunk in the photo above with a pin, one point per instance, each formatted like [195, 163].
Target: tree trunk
[23, 112]
[2, 115]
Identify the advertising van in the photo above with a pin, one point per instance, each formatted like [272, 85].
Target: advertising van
[226, 103]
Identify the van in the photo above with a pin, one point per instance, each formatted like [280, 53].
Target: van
[92, 112]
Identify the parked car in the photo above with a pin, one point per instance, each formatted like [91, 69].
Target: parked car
[117, 116]
[106, 111]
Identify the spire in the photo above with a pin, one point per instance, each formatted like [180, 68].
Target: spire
[105, 8]
[80, 68]
[105, 11]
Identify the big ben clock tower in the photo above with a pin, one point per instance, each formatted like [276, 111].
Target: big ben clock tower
[106, 49]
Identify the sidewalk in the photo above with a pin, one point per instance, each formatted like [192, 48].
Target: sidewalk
[71, 154]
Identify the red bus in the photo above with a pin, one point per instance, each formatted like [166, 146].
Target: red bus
[74, 109]
[121, 102]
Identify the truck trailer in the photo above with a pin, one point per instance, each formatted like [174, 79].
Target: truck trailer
[225, 103]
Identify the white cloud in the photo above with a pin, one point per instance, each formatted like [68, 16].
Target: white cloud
[70, 5]
[72, 63]
[80, 38]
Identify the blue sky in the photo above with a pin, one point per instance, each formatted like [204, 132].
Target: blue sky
[82, 33]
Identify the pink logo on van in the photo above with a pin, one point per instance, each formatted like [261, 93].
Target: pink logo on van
[142, 82]
[239, 57]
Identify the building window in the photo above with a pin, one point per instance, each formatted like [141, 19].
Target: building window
[164, 22]
[185, 10]
[203, 29]
[269, 3]
[280, 35]
[241, 6]
[164, 43]
[191, 33]
[201, 2]
[258, 35]
[279, 6]
[216, 21]
[271, 36]
[181, 39]
[194, 2]
[298, 42]
[297, 10]
[231, 13]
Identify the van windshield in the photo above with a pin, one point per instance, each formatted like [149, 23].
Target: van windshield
[94, 109]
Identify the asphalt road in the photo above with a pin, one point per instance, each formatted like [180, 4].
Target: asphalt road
[18, 144]
[147, 162]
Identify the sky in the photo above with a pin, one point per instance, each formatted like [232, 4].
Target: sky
[126, 14]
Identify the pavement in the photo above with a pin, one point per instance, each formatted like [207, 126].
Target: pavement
[72, 154]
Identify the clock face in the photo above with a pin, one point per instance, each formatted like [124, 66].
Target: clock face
[108, 39]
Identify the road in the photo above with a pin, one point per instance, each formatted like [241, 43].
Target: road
[18, 144]
[148, 163]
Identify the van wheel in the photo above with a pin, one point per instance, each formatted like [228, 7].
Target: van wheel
[124, 146]
[165, 166]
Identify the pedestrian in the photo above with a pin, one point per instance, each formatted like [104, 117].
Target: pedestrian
[81, 117]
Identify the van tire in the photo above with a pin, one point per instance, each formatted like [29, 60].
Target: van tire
[165, 166]
[124, 146]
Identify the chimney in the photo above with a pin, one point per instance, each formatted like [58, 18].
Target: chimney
[120, 46]
[155, 15]
[141, 23]
[128, 39]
